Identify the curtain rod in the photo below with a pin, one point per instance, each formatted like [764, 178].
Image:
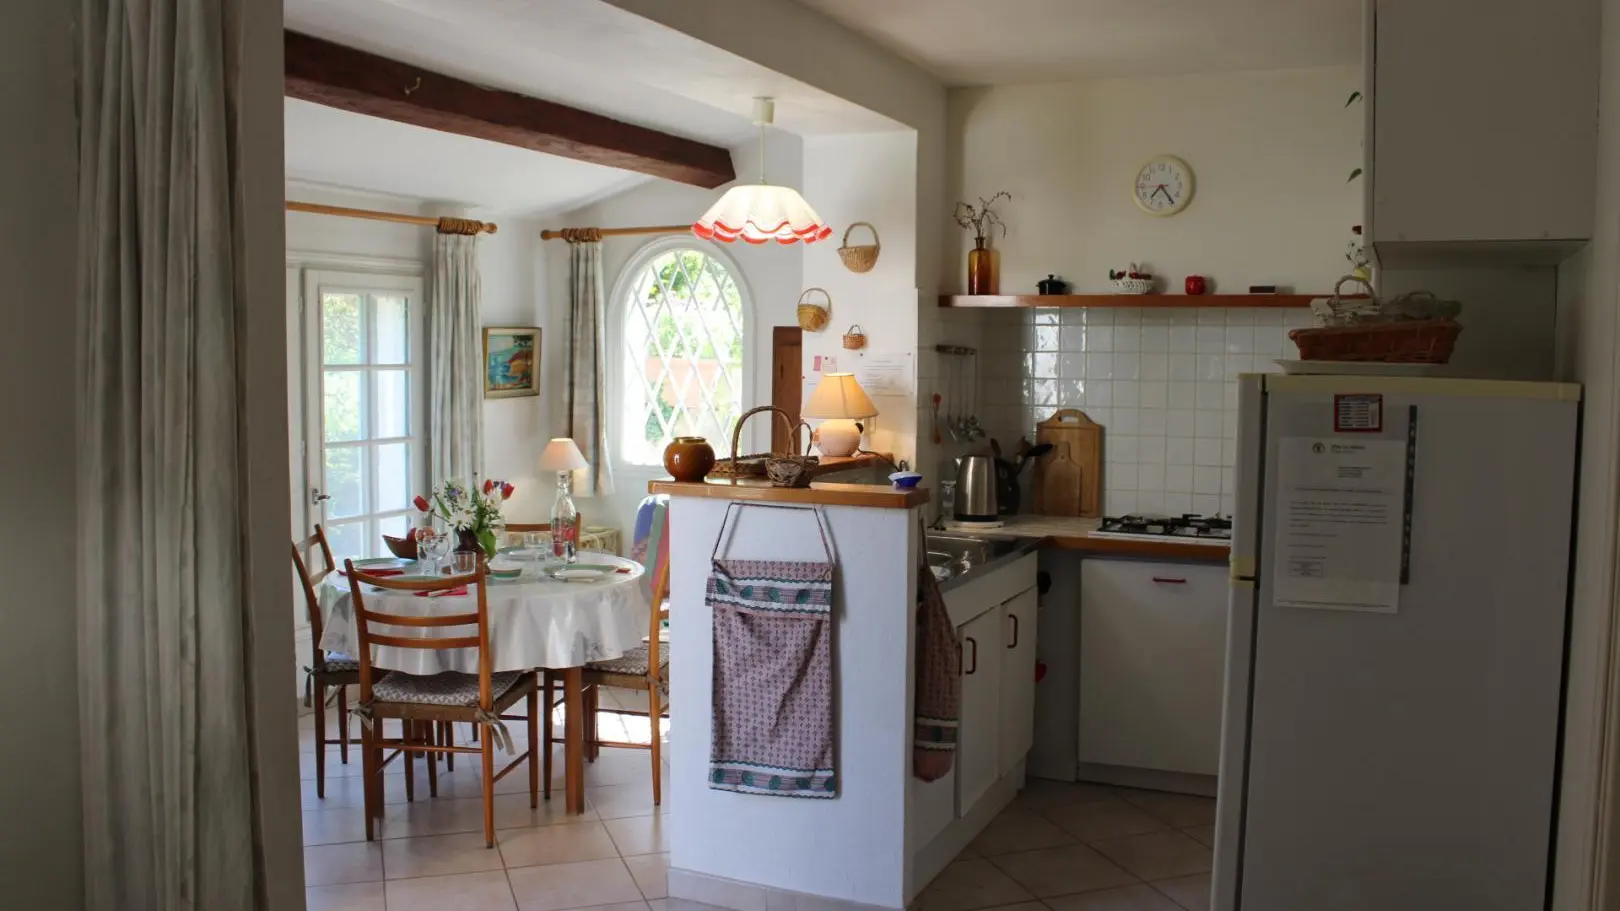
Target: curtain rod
[562, 233]
[445, 225]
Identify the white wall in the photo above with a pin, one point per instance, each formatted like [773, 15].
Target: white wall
[771, 274]
[870, 178]
[1588, 341]
[512, 270]
[1270, 152]
[40, 867]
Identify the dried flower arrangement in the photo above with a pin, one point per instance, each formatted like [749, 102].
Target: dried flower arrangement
[981, 218]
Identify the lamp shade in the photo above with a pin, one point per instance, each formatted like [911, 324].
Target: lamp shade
[839, 396]
[761, 212]
[562, 455]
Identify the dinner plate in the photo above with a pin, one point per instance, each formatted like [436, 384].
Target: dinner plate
[578, 574]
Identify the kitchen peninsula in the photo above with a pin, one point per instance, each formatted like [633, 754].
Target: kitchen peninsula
[886, 834]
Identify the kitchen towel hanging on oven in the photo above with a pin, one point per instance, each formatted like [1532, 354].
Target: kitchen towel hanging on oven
[773, 699]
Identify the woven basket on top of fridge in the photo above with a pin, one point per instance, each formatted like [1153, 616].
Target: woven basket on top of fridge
[1367, 331]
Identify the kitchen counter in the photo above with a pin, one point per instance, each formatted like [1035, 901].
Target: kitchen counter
[1077, 534]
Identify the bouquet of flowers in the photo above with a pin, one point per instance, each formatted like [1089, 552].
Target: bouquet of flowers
[473, 512]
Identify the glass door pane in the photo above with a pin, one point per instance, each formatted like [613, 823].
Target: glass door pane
[365, 384]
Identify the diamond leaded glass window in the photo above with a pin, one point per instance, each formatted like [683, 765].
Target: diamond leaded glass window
[683, 355]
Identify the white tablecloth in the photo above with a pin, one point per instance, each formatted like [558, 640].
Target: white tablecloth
[532, 624]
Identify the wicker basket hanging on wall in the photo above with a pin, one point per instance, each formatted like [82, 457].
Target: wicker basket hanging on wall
[814, 317]
[860, 258]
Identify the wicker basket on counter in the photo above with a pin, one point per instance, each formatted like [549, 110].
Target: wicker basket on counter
[793, 470]
[752, 466]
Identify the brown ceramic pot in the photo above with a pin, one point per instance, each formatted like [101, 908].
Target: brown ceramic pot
[688, 458]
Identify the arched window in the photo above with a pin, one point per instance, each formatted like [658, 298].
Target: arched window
[682, 348]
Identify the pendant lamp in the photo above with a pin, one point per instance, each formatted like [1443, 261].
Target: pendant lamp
[757, 213]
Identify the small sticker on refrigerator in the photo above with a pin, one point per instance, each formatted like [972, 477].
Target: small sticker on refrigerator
[1358, 413]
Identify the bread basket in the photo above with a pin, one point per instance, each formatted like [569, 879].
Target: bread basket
[860, 258]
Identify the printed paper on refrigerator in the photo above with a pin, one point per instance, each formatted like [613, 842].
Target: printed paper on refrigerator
[1340, 510]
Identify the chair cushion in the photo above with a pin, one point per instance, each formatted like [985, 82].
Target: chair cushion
[632, 663]
[446, 688]
[337, 663]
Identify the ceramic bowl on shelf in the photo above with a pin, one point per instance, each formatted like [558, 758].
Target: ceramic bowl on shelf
[1134, 285]
[905, 480]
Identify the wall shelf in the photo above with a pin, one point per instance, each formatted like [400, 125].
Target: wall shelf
[1128, 300]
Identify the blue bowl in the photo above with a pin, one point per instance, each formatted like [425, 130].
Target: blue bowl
[905, 480]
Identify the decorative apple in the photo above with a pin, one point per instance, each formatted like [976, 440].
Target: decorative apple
[1196, 284]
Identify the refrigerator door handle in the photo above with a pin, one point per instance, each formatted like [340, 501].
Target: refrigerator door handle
[1168, 580]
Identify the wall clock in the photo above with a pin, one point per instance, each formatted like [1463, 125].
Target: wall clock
[1163, 186]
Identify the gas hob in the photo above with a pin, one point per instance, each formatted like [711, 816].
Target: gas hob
[1187, 528]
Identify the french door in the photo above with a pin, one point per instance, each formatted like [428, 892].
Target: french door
[365, 408]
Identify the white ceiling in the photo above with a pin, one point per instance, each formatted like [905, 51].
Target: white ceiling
[339, 149]
[582, 53]
[992, 42]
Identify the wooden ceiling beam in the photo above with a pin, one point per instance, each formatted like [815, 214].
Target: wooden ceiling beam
[343, 77]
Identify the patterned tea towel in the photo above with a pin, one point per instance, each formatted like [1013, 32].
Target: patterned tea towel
[938, 685]
[773, 720]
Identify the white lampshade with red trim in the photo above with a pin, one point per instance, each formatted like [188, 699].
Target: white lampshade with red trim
[760, 213]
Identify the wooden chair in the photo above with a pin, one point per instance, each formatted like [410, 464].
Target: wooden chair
[644, 667]
[425, 704]
[325, 671]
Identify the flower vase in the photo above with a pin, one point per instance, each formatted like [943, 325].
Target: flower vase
[469, 541]
[981, 268]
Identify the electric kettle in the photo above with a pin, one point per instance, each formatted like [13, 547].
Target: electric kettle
[976, 489]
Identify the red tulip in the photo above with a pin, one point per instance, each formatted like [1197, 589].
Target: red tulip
[489, 485]
[506, 491]
[421, 503]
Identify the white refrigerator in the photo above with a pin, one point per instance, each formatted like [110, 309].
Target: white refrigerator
[1395, 646]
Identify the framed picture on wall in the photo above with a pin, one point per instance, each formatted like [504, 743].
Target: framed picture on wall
[511, 361]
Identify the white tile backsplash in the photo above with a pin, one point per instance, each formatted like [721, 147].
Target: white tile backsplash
[1160, 381]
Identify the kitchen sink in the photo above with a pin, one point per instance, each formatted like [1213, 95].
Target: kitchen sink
[954, 555]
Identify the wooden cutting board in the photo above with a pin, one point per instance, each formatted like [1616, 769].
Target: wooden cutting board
[1068, 480]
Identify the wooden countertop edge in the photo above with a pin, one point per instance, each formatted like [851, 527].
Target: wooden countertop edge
[1126, 547]
[817, 494]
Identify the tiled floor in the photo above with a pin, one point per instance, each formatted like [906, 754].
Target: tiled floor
[1082, 847]
[1063, 847]
[431, 854]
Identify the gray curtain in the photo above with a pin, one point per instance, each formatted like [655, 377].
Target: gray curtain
[171, 806]
[586, 400]
[455, 362]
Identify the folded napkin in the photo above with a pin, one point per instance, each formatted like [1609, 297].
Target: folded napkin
[380, 571]
[458, 590]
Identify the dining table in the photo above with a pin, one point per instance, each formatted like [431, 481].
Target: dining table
[536, 621]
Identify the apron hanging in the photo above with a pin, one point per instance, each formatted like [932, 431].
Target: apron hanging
[773, 697]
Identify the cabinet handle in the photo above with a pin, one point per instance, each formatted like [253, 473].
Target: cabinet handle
[975, 667]
[1014, 619]
[1167, 580]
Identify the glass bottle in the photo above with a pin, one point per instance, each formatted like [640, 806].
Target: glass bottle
[981, 268]
[565, 520]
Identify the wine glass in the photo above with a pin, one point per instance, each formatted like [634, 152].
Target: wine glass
[438, 548]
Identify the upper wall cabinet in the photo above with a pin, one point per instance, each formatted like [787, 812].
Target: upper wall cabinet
[1482, 125]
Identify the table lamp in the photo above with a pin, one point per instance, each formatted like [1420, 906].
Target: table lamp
[841, 402]
[563, 457]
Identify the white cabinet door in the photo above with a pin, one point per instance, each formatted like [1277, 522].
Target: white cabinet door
[1017, 680]
[977, 755]
[1485, 121]
[1152, 655]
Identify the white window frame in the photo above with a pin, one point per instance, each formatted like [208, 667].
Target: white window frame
[313, 370]
[618, 311]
